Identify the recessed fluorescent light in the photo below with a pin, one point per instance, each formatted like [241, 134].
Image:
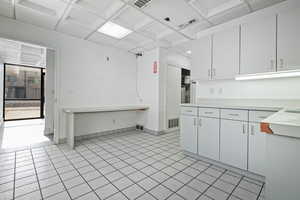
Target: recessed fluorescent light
[114, 30]
[282, 74]
[189, 52]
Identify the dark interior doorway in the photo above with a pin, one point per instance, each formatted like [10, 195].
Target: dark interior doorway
[23, 92]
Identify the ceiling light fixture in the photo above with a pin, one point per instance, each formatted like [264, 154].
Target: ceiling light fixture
[189, 52]
[114, 30]
[282, 74]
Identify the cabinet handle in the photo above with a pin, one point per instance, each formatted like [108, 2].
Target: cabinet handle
[281, 63]
[214, 72]
[208, 112]
[272, 64]
[252, 130]
[244, 129]
[200, 122]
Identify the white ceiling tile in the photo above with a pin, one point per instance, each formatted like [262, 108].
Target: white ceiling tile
[131, 18]
[174, 38]
[193, 29]
[230, 14]
[6, 8]
[125, 45]
[136, 39]
[102, 39]
[85, 18]
[209, 8]
[105, 8]
[74, 28]
[259, 4]
[26, 12]
[178, 11]
[154, 29]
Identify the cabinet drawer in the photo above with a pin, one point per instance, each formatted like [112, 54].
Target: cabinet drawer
[209, 112]
[241, 115]
[258, 116]
[189, 111]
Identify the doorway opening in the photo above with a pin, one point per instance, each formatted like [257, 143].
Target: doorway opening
[23, 92]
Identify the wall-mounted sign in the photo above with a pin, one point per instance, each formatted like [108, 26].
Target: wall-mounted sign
[155, 67]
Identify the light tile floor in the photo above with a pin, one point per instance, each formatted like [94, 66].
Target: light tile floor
[116, 167]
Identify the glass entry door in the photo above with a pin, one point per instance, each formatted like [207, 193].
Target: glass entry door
[24, 92]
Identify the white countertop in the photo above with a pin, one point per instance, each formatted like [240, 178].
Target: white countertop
[110, 108]
[247, 104]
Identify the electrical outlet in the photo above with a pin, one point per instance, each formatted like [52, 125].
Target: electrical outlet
[220, 91]
[211, 90]
[114, 121]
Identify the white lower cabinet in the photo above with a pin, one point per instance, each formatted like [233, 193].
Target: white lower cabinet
[208, 137]
[188, 133]
[234, 138]
[257, 149]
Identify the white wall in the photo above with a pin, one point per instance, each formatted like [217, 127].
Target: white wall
[1, 91]
[168, 58]
[148, 87]
[86, 78]
[285, 88]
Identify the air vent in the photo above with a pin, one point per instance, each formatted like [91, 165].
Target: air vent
[141, 3]
[185, 25]
[173, 123]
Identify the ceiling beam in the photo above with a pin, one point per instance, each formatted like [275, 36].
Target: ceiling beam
[190, 4]
[65, 13]
[248, 5]
[157, 20]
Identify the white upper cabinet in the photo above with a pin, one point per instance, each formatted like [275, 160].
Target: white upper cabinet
[225, 54]
[288, 40]
[201, 59]
[258, 46]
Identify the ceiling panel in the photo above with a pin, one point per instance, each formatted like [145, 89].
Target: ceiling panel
[193, 29]
[6, 8]
[27, 11]
[174, 38]
[230, 14]
[259, 4]
[102, 39]
[154, 29]
[104, 8]
[131, 18]
[125, 45]
[74, 28]
[136, 39]
[178, 11]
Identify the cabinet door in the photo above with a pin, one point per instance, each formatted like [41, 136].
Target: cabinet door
[288, 40]
[225, 54]
[233, 140]
[258, 46]
[188, 133]
[208, 137]
[257, 149]
[201, 59]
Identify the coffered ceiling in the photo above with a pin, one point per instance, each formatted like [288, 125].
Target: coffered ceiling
[153, 23]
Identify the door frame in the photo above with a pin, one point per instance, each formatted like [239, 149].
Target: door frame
[42, 98]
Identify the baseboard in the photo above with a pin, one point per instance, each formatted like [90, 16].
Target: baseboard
[243, 172]
[93, 135]
[152, 132]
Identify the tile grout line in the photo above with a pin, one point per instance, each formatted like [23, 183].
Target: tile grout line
[57, 175]
[236, 186]
[80, 176]
[15, 168]
[262, 187]
[36, 174]
[161, 183]
[109, 182]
